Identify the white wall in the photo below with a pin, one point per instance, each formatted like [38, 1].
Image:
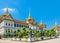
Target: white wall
[3, 26]
[2, 31]
[3, 23]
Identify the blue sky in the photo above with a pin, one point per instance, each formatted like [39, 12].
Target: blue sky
[46, 10]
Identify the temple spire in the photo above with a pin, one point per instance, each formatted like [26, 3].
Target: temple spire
[55, 23]
[41, 22]
[29, 14]
[7, 11]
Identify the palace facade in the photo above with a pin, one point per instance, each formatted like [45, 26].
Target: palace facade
[8, 22]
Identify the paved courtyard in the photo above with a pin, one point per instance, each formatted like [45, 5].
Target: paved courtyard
[57, 40]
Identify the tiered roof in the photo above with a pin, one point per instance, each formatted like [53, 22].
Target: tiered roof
[56, 27]
[42, 25]
[29, 20]
[6, 16]
[20, 22]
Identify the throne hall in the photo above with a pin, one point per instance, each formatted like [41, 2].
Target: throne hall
[8, 22]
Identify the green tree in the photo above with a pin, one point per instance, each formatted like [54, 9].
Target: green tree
[36, 34]
[52, 32]
[24, 33]
[47, 33]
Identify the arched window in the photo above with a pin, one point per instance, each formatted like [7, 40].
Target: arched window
[27, 26]
[9, 24]
[17, 25]
[6, 24]
[14, 25]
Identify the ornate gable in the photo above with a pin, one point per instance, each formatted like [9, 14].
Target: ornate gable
[7, 16]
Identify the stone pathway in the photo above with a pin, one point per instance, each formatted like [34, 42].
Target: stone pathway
[57, 40]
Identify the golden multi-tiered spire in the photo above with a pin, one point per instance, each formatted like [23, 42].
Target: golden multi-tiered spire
[30, 19]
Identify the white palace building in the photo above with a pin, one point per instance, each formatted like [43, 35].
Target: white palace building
[8, 22]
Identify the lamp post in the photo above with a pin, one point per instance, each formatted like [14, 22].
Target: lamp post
[30, 34]
[41, 27]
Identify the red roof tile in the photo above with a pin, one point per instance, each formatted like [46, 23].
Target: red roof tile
[20, 22]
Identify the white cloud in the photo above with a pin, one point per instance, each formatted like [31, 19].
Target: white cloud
[9, 9]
